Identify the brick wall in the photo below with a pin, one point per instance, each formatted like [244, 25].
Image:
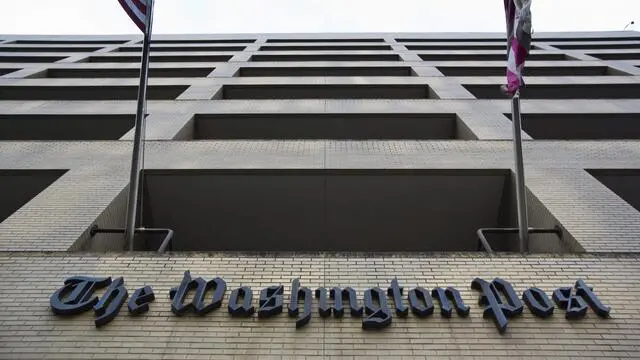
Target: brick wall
[30, 330]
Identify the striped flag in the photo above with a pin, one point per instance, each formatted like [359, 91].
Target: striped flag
[518, 16]
[138, 11]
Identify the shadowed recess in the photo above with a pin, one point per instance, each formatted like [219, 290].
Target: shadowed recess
[325, 48]
[154, 92]
[617, 56]
[326, 71]
[328, 210]
[530, 71]
[18, 187]
[160, 58]
[581, 126]
[30, 59]
[42, 49]
[182, 48]
[325, 126]
[64, 127]
[87, 73]
[488, 57]
[323, 40]
[203, 41]
[563, 91]
[326, 92]
[326, 57]
[7, 71]
[623, 182]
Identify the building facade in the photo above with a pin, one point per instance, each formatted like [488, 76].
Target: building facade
[315, 162]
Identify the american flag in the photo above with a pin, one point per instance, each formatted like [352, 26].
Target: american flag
[138, 12]
[518, 16]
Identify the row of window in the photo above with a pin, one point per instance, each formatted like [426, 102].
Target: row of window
[134, 58]
[318, 40]
[281, 71]
[336, 126]
[315, 91]
[433, 47]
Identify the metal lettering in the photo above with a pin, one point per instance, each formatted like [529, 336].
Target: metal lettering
[495, 308]
[76, 296]
[378, 316]
[241, 309]
[300, 292]
[395, 291]
[139, 302]
[270, 301]
[538, 302]
[109, 305]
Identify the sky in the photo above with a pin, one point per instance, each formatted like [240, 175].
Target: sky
[286, 16]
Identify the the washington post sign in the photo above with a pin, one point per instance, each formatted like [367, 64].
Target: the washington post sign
[497, 299]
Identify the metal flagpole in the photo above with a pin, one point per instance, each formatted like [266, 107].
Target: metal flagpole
[134, 182]
[523, 222]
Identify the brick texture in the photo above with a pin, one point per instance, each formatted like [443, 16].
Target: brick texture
[30, 330]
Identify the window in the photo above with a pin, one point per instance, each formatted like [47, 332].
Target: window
[563, 126]
[20, 186]
[325, 126]
[329, 210]
[24, 92]
[325, 92]
[64, 127]
[87, 73]
[327, 57]
[562, 91]
[326, 71]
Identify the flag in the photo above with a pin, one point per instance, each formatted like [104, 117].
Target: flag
[141, 13]
[138, 12]
[518, 16]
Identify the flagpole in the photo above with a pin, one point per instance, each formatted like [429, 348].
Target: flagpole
[523, 221]
[134, 182]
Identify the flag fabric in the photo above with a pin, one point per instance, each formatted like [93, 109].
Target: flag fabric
[518, 16]
[137, 11]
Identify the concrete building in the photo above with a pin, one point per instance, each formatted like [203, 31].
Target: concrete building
[341, 160]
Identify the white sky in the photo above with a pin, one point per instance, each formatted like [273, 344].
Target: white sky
[264, 16]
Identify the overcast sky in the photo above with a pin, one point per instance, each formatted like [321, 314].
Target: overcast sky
[238, 16]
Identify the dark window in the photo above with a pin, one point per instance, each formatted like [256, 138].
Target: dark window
[18, 187]
[184, 72]
[322, 40]
[201, 41]
[69, 49]
[183, 48]
[161, 58]
[623, 182]
[581, 126]
[563, 91]
[617, 56]
[329, 210]
[325, 92]
[30, 59]
[327, 57]
[64, 127]
[325, 126]
[69, 42]
[155, 92]
[326, 71]
[325, 48]
[530, 71]
[487, 57]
